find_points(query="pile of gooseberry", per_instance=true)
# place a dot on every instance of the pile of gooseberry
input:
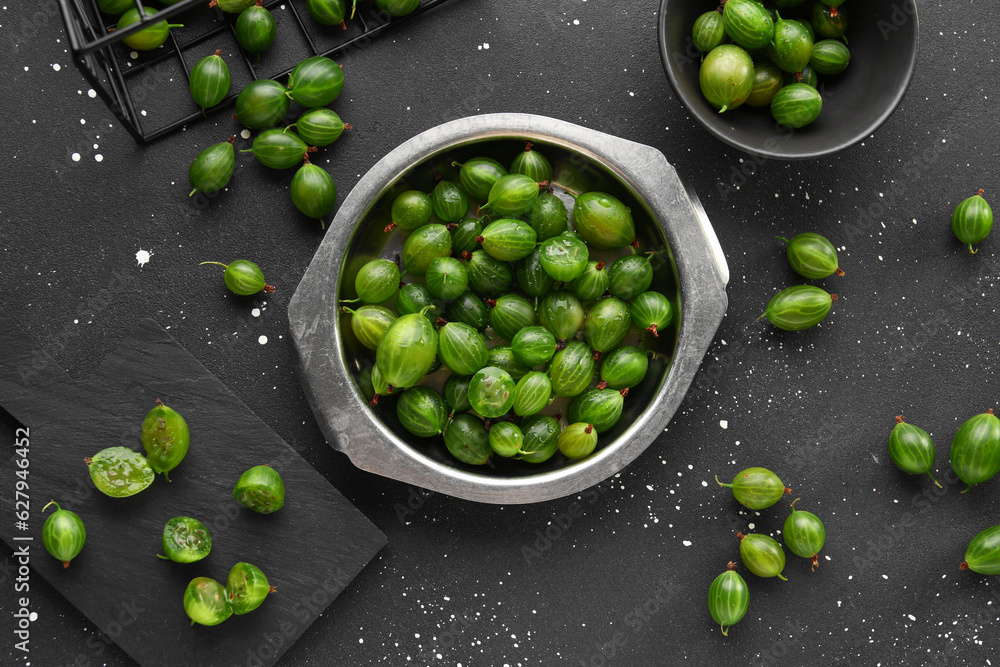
(803, 532)
(517, 306)
(778, 53)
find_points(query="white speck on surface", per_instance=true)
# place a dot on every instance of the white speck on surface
(133, 55)
(262, 340)
(142, 257)
(143, 112)
(911, 617)
(99, 157)
(255, 312)
(576, 21)
(56, 66)
(83, 121)
(33, 616)
(245, 134)
(686, 543)
(751, 526)
(723, 423)
(91, 93)
(75, 157)
(885, 576)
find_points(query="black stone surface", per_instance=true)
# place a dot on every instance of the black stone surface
(914, 333)
(310, 549)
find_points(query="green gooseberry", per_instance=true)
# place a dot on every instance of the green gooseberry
(796, 105)
(756, 488)
(572, 369)
(549, 216)
(213, 168)
(911, 449)
(533, 345)
(728, 598)
(983, 553)
(467, 439)
(512, 195)
(488, 276)
(63, 534)
(165, 437)
(119, 472)
(408, 350)
(708, 31)
(463, 236)
(185, 540)
(461, 348)
(541, 439)
(148, 38)
(508, 240)
(209, 81)
(601, 408)
(510, 314)
(762, 555)
(726, 77)
(812, 256)
(502, 357)
(562, 313)
(972, 220)
(975, 449)
(564, 257)
(423, 246)
(243, 277)
(422, 411)
(578, 441)
(456, 392)
(533, 393)
(449, 202)
(206, 602)
(262, 104)
(469, 309)
(651, 311)
(606, 324)
(247, 587)
(799, 307)
(369, 323)
(313, 191)
(592, 283)
(327, 12)
(767, 81)
(477, 176)
(256, 30)
(316, 82)
(377, 281)
(410, 210)
(491, 392)
(260, 489)
(623, 368)
(278, 149)
(532, 164)
(804, 534)
(748, 23)
(319, 127)
(531, 277)
(447, 278)
(603, 221)
(506, 439)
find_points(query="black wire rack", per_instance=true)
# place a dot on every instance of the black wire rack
(148, 90)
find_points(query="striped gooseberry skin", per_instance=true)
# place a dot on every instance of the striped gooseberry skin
(564, 257)
(407, 351)
(213, 168)
(510, 314)
(377, 281)
(975, 449)
(606, 324)
(447, 278)
(911, 449)
(422, 411)
(533, 393)
(327, 12)
(804, 534)
(651, 311)
(508, 240)
(541, 438)
(532, 164)
(260, 489)
(561, 312)
(983, 553)
(461, 348)
(477, 176)
(762, 555)
(812, 256)
(449, 202)
(502, 357)
(278, 149)
(799, 307)
(468, 308)
(313, 191)
(423, 246)
(262, 104)
(592, 283)
(247, 587)
(630, 276)
(512, 195)
(599, 408)
(256, 29)
(506, 439)
(320, 127)
(209, 81)
(533, 345)
(623, 368)
(578, 440)
(488, 276)
(491, 392)
(369, 323)
(756, 488)
(206, 602)
(316, 82)
(572, 369)
(796, 105)
(829, 22)
(748, 23)
(63, 534)
(467, 439)
(728, 598)
(972, 220)
(708, 31)
(829, 57)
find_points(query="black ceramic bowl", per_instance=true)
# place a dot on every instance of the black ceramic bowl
(883, 44)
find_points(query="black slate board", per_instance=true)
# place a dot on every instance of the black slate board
(310, 550)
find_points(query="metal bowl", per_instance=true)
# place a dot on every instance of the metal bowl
(668, 215)
(883, 44)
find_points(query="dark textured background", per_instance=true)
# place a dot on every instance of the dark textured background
(624, 583)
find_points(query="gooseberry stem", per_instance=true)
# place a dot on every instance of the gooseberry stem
(720, 483)
(779, 576)
(225, 266)
(782, 238)
(934, 480)
(793, 504)
(964, 565)
(52, 502)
